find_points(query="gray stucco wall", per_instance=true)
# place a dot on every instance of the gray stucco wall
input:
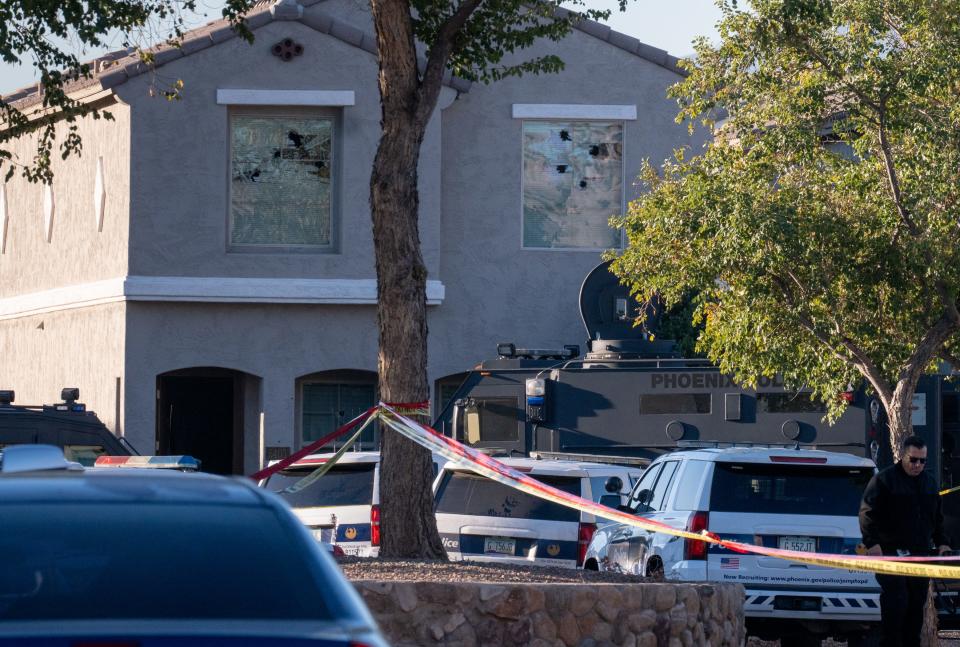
(177, 182)
(497, 291)
(77, 252)
(277, 343)
(180, 182)
(84, 348)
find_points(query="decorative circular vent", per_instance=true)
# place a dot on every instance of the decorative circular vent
(286, 49)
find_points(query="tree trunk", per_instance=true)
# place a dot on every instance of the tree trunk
(407, 523)
(899, 416)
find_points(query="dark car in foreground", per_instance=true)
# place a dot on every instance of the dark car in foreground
(143, 558)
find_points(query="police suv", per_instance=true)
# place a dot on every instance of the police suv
(343, 506)
(794, 499)
(484, 520)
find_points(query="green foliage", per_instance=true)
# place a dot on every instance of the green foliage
(497, 28)
(677, 323)
(819, 227)
(40, 31)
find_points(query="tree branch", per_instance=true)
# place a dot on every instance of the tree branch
(929, 346)
(892, 178)
(439, 55)
(856, 357)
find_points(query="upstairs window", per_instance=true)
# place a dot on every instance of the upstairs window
(572, 184)
(282, 182)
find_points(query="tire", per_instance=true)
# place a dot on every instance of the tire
(655, 569)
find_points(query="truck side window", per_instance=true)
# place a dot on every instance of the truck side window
(495, 419)
(663, 485)
(643, 489)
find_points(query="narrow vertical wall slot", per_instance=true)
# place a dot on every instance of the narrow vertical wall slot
(4, 218)
(49, 209)
(99, 195)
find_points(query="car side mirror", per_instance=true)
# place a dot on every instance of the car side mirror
(645, 497)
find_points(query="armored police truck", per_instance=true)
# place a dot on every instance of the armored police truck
(630, 396)
(66, 424)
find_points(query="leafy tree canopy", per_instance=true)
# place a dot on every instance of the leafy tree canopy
(473, 36)
(819, 229)
(48, 33)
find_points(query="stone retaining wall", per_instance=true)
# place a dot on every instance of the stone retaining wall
(472, 614)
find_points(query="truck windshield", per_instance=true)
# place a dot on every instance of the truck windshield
(788, 489)
(465, 493)
(150, 560)
(348, 484)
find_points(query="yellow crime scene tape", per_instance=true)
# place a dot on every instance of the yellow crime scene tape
(949, 490)
(493, 469)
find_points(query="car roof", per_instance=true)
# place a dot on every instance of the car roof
(555, 467)
(779, 455)
(126, 486)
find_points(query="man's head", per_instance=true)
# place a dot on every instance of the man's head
(913, 455)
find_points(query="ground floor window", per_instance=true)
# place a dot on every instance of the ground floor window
(327, 406)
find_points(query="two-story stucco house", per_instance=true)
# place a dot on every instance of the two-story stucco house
(204, 271)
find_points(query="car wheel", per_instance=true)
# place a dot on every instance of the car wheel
(655, 568)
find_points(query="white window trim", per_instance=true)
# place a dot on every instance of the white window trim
(623, 199)
(324, 98)
(574, 111)
(202, 289)
(278, 112)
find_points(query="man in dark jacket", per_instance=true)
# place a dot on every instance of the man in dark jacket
(901, 514)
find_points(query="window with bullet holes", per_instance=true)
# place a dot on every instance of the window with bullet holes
(282, 181)
(572, 184)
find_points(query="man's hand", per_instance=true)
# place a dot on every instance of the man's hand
(875, 551)
(943, 550)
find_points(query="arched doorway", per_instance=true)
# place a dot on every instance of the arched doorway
(201, 413)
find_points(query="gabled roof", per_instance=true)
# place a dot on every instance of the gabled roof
(115, 68)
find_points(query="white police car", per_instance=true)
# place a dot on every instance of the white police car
(794, 499)
(342, 507)
(483, 520)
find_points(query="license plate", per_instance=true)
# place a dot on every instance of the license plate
(324, 534)
(800, 544)
(499, 545)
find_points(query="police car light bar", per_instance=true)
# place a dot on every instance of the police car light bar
(182, 463)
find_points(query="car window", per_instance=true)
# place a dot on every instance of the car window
(598, 485)
(90, 560)
(347, 484)
(646, 482)
(663, 485)
(688, 485)
(788, 489)
(470, 494)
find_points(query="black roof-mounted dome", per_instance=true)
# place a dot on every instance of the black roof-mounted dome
(609, 311)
